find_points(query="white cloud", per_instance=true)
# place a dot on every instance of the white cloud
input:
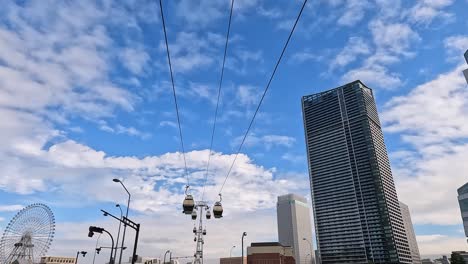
(294, 158)
(432, 118)
(11, 208)
(72, 76)
(374, 75)
(425, 11)
(456, 46)
(247, 95)
(268, 141)
(354, 12)
(355, 47)
(438, 245)
(168, 123)
(134, 60)
(393, 37)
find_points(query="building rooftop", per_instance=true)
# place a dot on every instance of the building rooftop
(331, 90)
(266, 244)
(463, 189)
(291, 197)
(466, 56)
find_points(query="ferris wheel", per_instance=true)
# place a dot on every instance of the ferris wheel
(28, 235)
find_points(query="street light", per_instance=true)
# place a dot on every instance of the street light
(306, 258)
(95, 229)
(126, 215)
(134, 226)
(310, 245)
(230, 254)
(97, 241)
(78, 253)
(165, 256)
(118, 232)
(243, 235)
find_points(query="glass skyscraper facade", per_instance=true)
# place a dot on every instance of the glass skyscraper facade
(356, 209)
(463, 201)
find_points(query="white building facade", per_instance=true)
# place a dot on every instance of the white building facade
(413, 244)
(294, 225)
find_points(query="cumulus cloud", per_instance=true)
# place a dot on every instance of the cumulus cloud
(355, 47)
(432, 118)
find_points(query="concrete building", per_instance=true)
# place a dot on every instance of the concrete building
(233, 260)
(356, 209)
(413, 244)
(294, 225)
(269, 253)
(57, 260)
(463, 202)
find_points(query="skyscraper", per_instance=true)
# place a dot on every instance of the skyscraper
(294, 225)
(356, 210)
(413, 244)
(463, 201)
(465, 72)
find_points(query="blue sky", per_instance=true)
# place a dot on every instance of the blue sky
(85, 97)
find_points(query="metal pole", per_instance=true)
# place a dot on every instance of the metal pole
(76, 259)
(112, 247)
(118, 232)
(126, 215)
(230, 255)
(136, 243)
(97, 241)
(170, 257)
(243, 235)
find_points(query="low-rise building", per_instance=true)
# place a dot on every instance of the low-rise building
(271, 253)
(57, 260)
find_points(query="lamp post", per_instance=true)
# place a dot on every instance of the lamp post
(165, 256)
(243, 235)
(310, 245)
(126, 215)
(78, 253)
(93, 229)
(306, 258)
(97, 241)
(230, 254)
(118, 232)
(133, 225)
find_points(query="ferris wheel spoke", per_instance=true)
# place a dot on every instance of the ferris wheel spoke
(37, 221)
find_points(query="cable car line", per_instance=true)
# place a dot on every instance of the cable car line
(263, 96)
(217, 101)
(175, 96)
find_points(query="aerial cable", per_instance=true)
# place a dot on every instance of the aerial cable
(263, 96)
(175, 96)
(217, 101)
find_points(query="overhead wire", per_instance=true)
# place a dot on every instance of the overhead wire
(219, 95)
(263, 96)
(174, 94)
